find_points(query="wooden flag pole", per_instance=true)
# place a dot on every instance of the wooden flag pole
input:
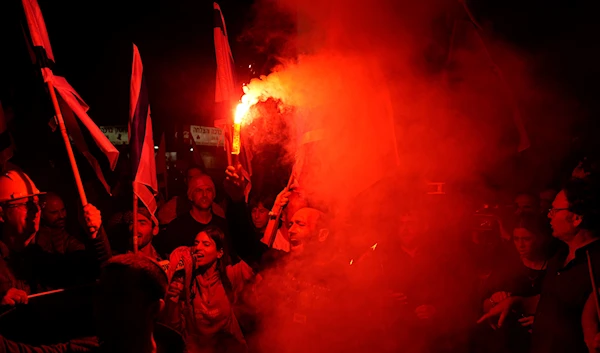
(65, 136)
(135, 221)
(273, 224)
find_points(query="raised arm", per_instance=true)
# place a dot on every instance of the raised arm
(245, 243)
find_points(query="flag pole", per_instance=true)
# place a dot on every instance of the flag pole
(273, 224)
(65, 136)
(228, 147)
(135, 221)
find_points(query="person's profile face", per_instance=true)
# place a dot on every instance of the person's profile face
(22, 215)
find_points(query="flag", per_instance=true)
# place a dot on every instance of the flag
(37, 30)
(45, 58)
(6, 142)
(225, 90)
(145, 185)
(161, 166)
(79, 140)
(226, 93)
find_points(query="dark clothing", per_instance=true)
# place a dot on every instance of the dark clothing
(57, 240)
(557, 327)
(182, 232)
(513, 277)
(244, 241)
(34, 270)
(306, 303)
(429, 276)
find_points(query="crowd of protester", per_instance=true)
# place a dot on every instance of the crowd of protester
(275, 273)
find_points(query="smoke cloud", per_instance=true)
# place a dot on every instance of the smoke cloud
(393, 95)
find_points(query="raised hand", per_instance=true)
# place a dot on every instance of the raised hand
(234, 182)
(92, 219)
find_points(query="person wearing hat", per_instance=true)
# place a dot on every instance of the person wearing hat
(147, 229)
(24, 267)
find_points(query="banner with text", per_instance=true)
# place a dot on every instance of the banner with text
(117, 135)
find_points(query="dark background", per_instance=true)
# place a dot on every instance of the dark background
(92, 40)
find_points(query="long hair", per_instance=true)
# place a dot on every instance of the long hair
(217, 235)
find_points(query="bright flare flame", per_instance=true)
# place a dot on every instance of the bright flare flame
(241, 110)
(374, 246)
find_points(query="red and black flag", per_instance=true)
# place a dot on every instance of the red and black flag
(145, 185)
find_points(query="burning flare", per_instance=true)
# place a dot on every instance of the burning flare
(238, 117)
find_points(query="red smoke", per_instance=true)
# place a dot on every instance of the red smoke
(403, 93)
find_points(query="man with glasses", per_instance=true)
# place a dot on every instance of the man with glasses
(567, 287)
(24, 267)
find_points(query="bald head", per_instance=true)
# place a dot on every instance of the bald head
(54, 214)
(307, 226)
(201, 191)
(295, 203)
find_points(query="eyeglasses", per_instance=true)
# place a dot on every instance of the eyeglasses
(27, 205)
(553, 210)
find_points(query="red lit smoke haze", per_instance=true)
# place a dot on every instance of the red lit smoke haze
(379, 81)
(396, 111)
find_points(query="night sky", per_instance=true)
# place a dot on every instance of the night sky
(91, 41)
(92, 46)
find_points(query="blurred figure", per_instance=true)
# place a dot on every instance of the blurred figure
(52, 236)
(128, 304)
(491, 245)
(179, 205)
(147, 229)
(546, 198)
(526, 203)
(416, 294)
